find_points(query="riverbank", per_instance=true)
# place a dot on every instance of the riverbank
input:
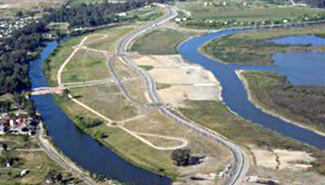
(25, 161)
(55, 154)
(140, 125)
(256, 47)
(284, 115)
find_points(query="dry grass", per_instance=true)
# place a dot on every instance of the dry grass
(85, 66)
(107, 100)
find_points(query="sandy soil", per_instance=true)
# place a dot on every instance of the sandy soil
(282, 159)
(183, 92)
(286, 177)
(187, 81)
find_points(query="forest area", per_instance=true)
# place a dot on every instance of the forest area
(25, 44)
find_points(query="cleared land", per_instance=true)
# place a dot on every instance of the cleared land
(160, 42)
(184, 81)
(255, 47)
(302, 104)
(230, 14)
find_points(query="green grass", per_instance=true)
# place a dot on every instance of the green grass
(125, 145)
(254, 47)
(216, 116)
(85, 66)
(146, 67)
(303, 104)
(107, 100)
(160, 42)
(239, 15)
(135, 151)
(94, 62)
(111, 40)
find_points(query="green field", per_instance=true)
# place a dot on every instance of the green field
(85, 65)
(237, 14)
(254, 47)
(216, 116)
(160, 42)
(304, 104)
(107, 100)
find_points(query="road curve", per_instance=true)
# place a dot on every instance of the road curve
(241, 160)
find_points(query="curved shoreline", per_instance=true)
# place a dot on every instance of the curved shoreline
(255, 102)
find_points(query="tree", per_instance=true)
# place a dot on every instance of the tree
(181, 157)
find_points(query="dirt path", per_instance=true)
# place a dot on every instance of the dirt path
(109, 121)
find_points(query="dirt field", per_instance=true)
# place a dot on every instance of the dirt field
(282, 159)
(183, 82)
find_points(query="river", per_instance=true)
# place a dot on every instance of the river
(98, 159)
(304, 68)
(79, 147)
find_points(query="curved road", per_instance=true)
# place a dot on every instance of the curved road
(240, 158)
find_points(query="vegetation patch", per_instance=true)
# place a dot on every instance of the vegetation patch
(235, 14)
(160, 42)
(256, 47)
(303, 104)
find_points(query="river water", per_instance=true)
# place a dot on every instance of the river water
(301, 68)
(76, 145)
(98, 159)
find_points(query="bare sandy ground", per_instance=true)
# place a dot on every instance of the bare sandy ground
(187, 81)
(282, 159)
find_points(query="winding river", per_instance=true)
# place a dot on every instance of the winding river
(98, 159)
(300, 68)
(79, 147)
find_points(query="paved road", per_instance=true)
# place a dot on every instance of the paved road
(240, 162)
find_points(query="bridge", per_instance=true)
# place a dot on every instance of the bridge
(63, 87)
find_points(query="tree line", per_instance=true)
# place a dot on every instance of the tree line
(22, 46)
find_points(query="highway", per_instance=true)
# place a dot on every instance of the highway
(240, 162)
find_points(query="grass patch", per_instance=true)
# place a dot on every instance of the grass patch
(162, 86)
(107, 100)
(146, 67)
(85, 66)
(255, 47)
(216, 116)
(160, 42)
(95, 62)
(124, 144)
(303, 104)
(109, 43)
(236, 14)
